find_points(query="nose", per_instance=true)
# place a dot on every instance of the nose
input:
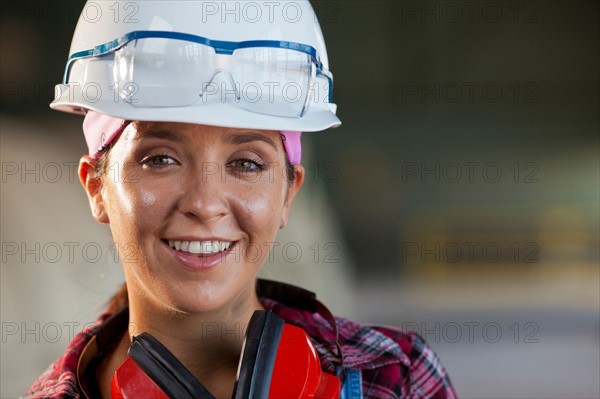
(205, 194)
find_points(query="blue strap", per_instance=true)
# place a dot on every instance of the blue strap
(352, 388)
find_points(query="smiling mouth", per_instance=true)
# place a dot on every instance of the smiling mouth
(200, 248)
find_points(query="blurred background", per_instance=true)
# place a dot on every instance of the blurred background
(460, 197)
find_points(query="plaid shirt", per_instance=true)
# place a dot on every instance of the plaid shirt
(393, 364)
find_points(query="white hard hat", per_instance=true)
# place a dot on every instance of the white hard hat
(106, 28)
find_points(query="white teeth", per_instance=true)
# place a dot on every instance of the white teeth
(195, 247)
(200, 247)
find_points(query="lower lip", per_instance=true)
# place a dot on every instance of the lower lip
(196, 263)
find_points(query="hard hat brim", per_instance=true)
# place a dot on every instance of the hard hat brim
(215, 114)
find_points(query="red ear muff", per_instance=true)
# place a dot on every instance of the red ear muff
(297, 371)
(278, 361)
(150, 360)
(130, 382)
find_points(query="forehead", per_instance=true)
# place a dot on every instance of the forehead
(189, 133)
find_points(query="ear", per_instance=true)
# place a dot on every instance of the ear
(293, 189)
(92, 184)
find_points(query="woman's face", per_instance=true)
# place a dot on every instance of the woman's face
(193, 209)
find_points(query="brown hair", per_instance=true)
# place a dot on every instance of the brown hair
(120, 299)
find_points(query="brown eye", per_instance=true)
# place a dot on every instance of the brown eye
(247, 165)
(159, 160)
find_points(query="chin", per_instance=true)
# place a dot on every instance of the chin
(199, 298)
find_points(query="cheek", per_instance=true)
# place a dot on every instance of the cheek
(136, 202)
(259, 209)
(120, 200)
(148, 198)
(151, 203)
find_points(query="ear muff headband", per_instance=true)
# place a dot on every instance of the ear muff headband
(165, 369)
(258, 356)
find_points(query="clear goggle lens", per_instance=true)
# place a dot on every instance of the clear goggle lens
(160, 72)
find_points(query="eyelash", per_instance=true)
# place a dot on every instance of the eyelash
(149, 160)
(258, 164)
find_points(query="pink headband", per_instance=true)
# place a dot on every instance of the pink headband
(293, 147)
(100, 130)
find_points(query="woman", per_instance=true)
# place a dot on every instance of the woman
(193, 120)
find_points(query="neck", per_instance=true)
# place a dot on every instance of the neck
(207, 343)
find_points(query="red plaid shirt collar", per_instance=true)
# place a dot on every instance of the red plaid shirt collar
(362, 346)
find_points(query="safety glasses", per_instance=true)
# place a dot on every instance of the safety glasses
(172, 69)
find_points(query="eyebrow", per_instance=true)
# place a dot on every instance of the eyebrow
(243, 138)
(160, 134)
(235, 138)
